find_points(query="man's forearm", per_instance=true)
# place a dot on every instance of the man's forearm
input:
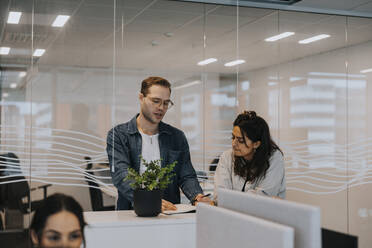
(191, 188)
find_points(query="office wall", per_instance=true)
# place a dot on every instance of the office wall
(318, 109)
(323, 129)
(314, 96)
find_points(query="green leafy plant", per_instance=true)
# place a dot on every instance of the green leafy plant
(155, 176)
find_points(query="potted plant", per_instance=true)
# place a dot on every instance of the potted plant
(148, 186)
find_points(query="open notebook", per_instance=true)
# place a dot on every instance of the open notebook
(181, 209)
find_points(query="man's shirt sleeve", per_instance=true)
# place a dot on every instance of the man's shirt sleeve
(187, 176)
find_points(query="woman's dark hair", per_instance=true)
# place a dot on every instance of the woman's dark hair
(256, 129)
(52, 205)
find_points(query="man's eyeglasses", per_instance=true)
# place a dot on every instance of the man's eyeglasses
(158, 102)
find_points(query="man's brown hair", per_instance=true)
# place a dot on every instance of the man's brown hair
(150, 81)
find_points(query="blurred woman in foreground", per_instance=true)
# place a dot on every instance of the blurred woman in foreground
(59, 222)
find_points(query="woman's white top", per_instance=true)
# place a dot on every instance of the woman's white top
(273, 184)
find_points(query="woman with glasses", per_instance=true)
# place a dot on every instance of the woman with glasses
(255, 162)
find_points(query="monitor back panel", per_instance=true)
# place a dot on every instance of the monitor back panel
(305, 219)
(222, 228)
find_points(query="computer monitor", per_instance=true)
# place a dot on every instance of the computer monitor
(305, 219)
(223, 228)
(332, 239)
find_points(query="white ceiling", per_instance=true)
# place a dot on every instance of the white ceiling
(87, 40)
(358, 5)
(352, 7)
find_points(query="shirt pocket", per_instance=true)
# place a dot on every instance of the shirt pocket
(173, 155)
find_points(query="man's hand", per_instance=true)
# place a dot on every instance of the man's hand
(202, 198)
(166, 205)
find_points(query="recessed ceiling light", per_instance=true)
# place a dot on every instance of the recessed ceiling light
(22, 74)
(60, 20)
(39, 52)
(4, 50)
(235, 62)
(5, 94)
(279, 36)
(187, 85)
(168, 34)
(13, 85)
(366, 70)
(314, 38)
(207, 61)
(14, 17)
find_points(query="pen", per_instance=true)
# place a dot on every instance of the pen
(209, 194)
(194, 200)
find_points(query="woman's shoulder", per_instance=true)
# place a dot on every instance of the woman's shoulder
(276, 156)
(226, 157)
(227, 154)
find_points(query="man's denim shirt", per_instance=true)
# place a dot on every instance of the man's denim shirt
(124, 146)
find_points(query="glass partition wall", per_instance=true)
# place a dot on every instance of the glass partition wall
(58, 103)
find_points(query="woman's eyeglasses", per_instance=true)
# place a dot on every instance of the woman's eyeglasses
(239, 139)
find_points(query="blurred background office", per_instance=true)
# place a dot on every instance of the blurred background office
(71, 70)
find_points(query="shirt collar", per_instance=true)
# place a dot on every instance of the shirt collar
(132, 127)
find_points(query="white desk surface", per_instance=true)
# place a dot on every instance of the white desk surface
(127, 218)
(117, 229)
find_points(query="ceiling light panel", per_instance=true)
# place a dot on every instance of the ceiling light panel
(4, 50)
(60, 20)
(22, 74)
(285, 2)
(14, 17)
(235, 62)
(38, 52)
(279, 36)
(314, 38)
(207, 61)
(366, 70)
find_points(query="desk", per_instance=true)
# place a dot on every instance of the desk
(124, 229)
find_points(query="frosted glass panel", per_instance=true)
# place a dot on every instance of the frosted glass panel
(57, 107)
(359, 134)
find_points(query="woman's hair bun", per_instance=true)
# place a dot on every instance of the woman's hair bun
(250, 114)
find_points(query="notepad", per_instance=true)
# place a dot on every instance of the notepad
(181, 209)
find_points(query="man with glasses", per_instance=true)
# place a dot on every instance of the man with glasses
(148, 136)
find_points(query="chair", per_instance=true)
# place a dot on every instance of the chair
(15, 238)
(201, 175)
(15, 192)
(95, 193)
(214, 163)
